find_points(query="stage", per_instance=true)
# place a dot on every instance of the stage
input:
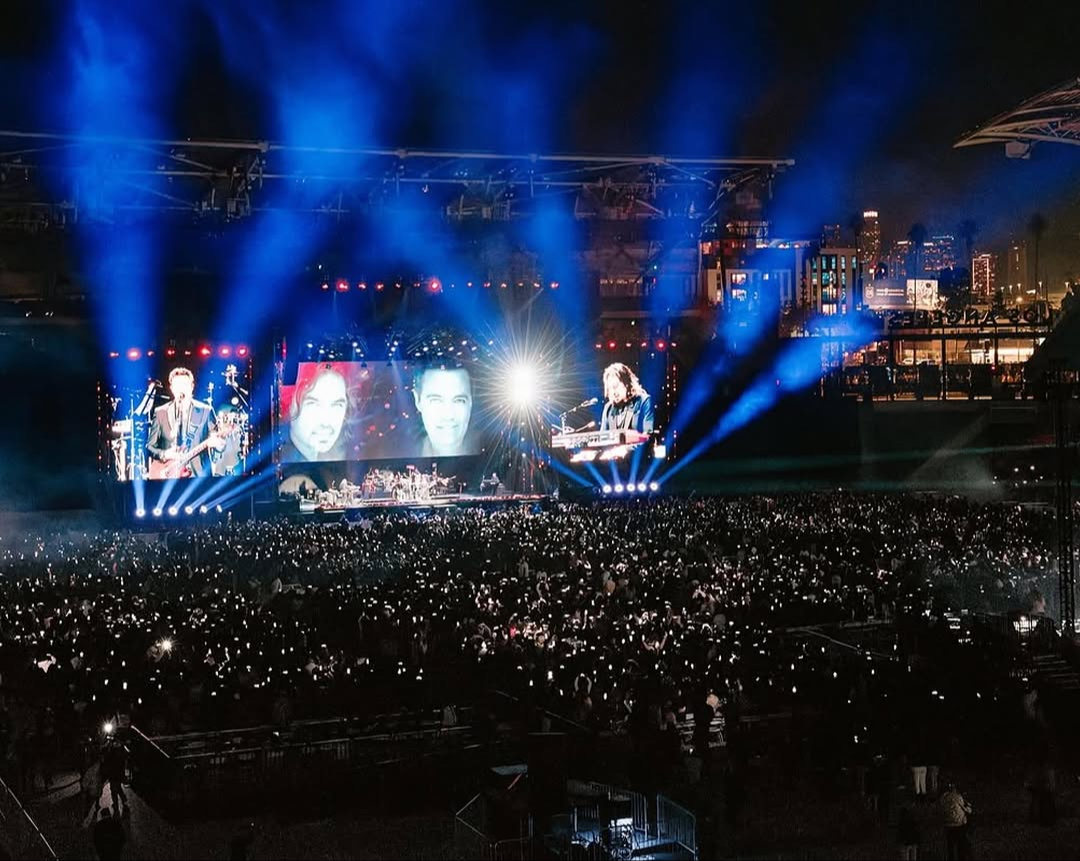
(435, 503)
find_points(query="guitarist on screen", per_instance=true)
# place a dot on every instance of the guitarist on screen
(180, 436)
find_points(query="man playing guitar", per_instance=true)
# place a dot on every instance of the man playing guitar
(180, 435)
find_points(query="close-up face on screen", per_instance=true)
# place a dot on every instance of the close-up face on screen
(338, 411)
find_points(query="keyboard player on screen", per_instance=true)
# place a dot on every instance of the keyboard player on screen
(627, 405)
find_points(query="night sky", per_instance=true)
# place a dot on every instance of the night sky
(867, 99)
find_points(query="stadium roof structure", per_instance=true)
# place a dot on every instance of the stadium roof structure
(68, 177)
(1053, 116)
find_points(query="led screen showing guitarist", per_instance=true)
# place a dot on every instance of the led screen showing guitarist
(181, 434)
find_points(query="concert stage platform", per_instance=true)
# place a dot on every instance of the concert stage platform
(435, 503)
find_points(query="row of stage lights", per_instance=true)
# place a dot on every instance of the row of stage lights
(630, 487)
(433, 285)
(645, 345)
(174, 511)
(224, 351)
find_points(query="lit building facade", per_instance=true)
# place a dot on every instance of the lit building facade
(870, 243)
(829, 281)
(984, 271)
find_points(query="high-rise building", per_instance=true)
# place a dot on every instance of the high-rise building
(870, 243)
(984, 269)
(830, 236)
(1017, 277)
(830, 281)
(898, 262)
(939, 252)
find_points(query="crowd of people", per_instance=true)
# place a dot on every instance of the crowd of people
(604, 613)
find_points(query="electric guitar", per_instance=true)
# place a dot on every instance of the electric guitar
(179, 467)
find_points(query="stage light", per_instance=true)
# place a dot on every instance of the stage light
(659, 451)
(170, 352)
(611, 345)
(203, 509)
(659, 345)
(134, 353)
(607, 488)
(114, 355)
(362, 286)
(140, 512)
(554, 285)
(630, 488)
(157, 512)
(642, 487)
(224, 351)
(205, 351)
(618, 488)
(218, 509)
(654, 486)
(189, 509)
(242, 352)
(380, 286)
(342, 286)
(166, 645)
(108, 727)
(523, 385)
(173, 511)
(325, 286)
(434, 285)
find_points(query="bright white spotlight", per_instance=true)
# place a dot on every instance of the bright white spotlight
(607, 488)
(189, 509)
(157, 512)
(203, 509)
(166, 645)
(654, 486)
(642, 487)
(523, 385)
(108, 727)
(219, 509)
(618, 488)
(173, 511)
(140, 512)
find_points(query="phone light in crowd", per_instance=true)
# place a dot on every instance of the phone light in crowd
(654, 486)
(108, 727)
(205, 351)
(173, 511)
(140, 512)
(157, 512)
(134, 353)
(607, 488)
(618, 488)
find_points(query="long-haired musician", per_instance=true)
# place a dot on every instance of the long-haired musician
(627, 404)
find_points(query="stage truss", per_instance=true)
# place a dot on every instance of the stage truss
(1052, 116)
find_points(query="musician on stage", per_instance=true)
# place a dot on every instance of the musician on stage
(627, 404)
(182, 425)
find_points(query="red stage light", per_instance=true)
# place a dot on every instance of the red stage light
(599, 346)
(379, 285)
(241, 351)
(170, 352)
(644, 344)
(342, 286)
(611, 345)
(434, 285)
(487, 284)
(134, 353)
(554, 285)
(205, 351)
(659, 345)
(224, 351)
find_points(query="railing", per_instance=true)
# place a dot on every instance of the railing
(19, 834)
(260, 759)
(470, 841)
(676, 825)
(639, 809)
